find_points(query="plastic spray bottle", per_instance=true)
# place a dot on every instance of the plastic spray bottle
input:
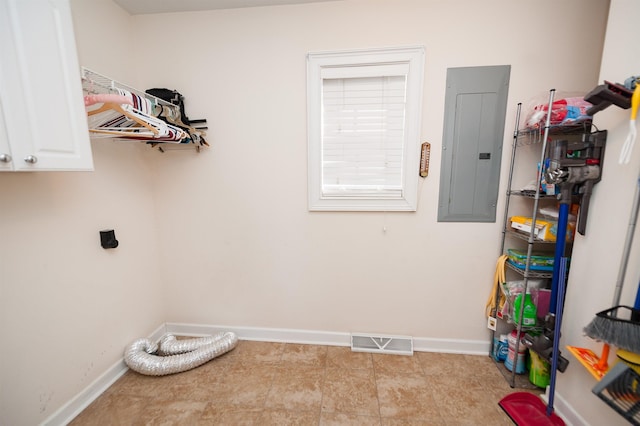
(529, 316)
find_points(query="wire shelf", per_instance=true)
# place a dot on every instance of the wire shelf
(170, 113)
(535, 136)
(531, 274)
(524, 236)
(531, 194)
(93, 82)
(517, 381)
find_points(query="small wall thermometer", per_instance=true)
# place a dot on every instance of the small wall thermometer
(424, 159)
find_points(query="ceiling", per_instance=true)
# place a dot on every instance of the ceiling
(141, 7)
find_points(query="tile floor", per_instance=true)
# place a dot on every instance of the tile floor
(262, 383)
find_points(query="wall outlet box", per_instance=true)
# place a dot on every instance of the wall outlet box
(492, 323)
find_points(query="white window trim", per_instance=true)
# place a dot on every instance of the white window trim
(321, 64)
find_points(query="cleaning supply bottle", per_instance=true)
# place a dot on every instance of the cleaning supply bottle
(516, 360)
(529, 316)
(500, 348)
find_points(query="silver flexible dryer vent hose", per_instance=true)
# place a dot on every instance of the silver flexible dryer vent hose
(139, 356)
(169, 345)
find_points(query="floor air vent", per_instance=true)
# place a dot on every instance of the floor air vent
(379, 343)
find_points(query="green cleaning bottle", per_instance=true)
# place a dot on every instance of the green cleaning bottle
(529, 316)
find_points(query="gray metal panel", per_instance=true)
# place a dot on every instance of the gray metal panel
(475, 106)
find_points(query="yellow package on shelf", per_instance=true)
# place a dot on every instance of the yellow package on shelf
(545, 229)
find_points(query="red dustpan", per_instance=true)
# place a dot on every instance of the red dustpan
(527, 409)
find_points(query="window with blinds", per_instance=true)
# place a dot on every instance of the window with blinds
(362, 136)
(364, 110)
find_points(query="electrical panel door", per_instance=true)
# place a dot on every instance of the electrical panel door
(475, 106)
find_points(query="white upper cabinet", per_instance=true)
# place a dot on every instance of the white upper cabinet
(42, 117)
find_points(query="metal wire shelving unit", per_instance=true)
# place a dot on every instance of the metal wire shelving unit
(524, 137)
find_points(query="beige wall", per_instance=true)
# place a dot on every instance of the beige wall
(224, 237)
(240, 247)
(597, 256)
(68, 307)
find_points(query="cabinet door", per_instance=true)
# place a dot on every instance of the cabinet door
(41, 88)
(5, 151)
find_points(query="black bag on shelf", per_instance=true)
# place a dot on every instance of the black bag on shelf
(174, 97)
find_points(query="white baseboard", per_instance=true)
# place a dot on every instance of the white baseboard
(563, 409)
(451, 346)
(265, 334)
(330, 338)
(71, 409)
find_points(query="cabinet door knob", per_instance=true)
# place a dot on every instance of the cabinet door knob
(31, 159)
(5, 158)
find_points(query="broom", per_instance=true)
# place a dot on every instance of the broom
(615, 327)
(619, 326)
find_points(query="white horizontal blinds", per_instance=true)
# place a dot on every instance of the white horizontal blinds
(363, 132)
